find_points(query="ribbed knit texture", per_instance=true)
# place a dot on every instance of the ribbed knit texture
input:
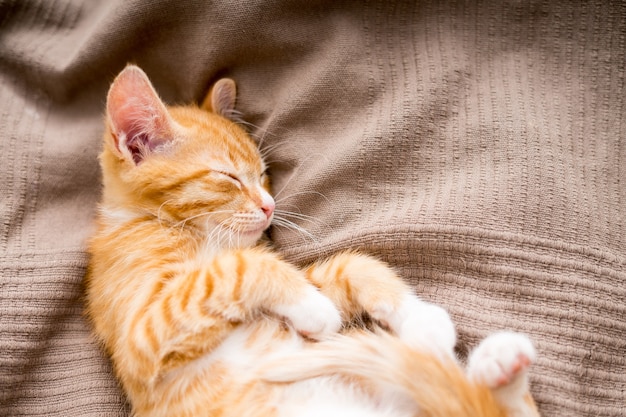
(479, 148)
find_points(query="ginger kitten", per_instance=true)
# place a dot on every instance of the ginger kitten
(199, 320)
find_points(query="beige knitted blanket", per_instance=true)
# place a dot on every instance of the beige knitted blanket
(479, 147)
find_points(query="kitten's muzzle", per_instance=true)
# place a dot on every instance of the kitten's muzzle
(268, 208)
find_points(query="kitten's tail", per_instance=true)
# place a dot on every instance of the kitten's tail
(437, 384)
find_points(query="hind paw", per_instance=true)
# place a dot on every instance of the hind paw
(500, 359)
(421, 325)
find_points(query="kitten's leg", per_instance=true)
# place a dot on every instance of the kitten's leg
(189, 314)
(358, 283)
(501, 363)
(245, 282)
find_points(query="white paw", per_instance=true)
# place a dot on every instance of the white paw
(314, 315)
(421, 325)
(500, 358)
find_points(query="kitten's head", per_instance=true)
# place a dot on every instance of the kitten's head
(185, 166)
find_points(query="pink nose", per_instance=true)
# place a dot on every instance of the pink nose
(268, 208)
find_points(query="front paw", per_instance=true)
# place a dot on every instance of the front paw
(313, 315)
(500, 359)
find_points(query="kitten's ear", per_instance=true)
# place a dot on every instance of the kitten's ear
(139, 121)
(221, 98)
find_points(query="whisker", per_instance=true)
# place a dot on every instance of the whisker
(264, 131)
(159, 211)
(183, 222)
(300, 193)
(217, 233)
(298, 216)
(282, 222)
(267, 150)
(260, 137)
(291, 178)
(290, 205)
(295, 172)
(230, 243)
(249, 124)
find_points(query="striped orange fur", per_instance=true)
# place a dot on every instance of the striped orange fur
(201, 320)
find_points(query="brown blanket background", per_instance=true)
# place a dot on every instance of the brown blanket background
(479, 147)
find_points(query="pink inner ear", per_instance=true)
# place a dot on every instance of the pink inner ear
(139, 146)
(138, 117)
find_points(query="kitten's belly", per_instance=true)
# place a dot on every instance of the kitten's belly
(333, 397)
(250, 349)
(243, 356)
(244, 351)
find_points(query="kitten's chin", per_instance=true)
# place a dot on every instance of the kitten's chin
(239, 238)
(250, 237)
(234, 236)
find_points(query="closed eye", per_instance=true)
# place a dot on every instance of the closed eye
(230, 177)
